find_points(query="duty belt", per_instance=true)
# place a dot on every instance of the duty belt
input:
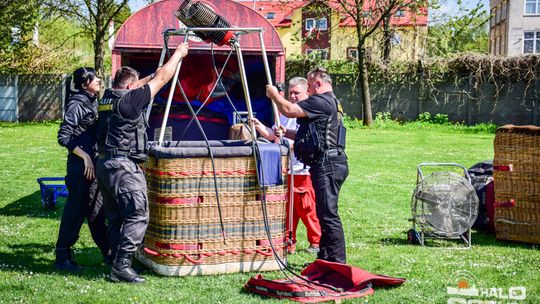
(114, 154)
(332, 152)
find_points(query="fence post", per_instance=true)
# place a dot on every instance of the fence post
(469, 98)
(535, 101)
(64, 91)
(16, 86)
(421, 90)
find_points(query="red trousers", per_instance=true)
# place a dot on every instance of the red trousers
(304, 209)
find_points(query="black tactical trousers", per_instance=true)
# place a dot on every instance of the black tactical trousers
(124, 190)
(327, 175)
(83, 202)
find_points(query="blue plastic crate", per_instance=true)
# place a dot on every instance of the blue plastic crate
(51, 188)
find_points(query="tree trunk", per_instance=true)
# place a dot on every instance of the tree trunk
(98, 58)
(387, 40)
(363, 78)
(99, 39)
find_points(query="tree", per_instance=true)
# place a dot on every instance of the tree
(94, 18)
(18, 17)
(369, 16)
(454, 34)
(18, 21)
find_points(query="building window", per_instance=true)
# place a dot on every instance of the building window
(532, 7)
(396, 39)
(310, 23)
(503, 10)
(322, 24)
(492, 16)
(531, 42)
(400, 13)
(270, 15)
(503, 45)
(352, 53)
(317, 53)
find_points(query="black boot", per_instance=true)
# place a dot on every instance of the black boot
(122, 271)
(108, 259)
(64, 261)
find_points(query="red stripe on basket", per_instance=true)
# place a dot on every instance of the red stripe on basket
(193, 260)
(184, 173)
(178, 246)
(509, 204)
(179, 200)
(504, 168)
(150, 251)
(265, 242)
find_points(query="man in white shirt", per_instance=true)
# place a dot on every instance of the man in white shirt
(304, 195)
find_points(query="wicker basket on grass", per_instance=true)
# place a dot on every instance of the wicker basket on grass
(189, 233)
(517, 183)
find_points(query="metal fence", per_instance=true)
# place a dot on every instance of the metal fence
(31, 97)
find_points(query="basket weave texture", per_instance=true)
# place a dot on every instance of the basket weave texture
(185, 227)
(517, 183)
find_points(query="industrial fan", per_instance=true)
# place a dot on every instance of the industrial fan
(444, 205)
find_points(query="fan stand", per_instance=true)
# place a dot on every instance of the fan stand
(419, 237)
(466, 237)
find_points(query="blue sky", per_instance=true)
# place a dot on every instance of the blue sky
(447, 6)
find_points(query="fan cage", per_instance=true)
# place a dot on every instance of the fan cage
(444, 204)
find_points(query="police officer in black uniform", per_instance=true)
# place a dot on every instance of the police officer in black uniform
(320, 143)
(77, 134)
(105, 104)
(120, 177)
(126, 77)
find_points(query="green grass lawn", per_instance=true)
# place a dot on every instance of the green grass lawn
(374, 207)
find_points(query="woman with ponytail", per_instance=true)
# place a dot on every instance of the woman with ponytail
(78, 134)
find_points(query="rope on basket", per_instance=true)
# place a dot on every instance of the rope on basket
(189, 258)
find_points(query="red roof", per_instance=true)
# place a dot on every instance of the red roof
(143, 30)
(283, 11)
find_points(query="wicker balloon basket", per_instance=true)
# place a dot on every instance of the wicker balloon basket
(189, 233)
(517, 183)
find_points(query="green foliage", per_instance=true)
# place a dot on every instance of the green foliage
(301, 65)
(61, 50)
(466, 32)
(384, 120)
(93, 17)
(18, 19)
(424, 117)
(438, 119)
(352, 122)
(19, 14)
(440, 122)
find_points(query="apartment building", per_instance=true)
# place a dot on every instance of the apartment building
(514, 27)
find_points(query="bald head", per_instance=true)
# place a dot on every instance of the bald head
(319, 81)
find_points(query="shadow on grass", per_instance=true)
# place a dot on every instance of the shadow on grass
(395, 240)
(479, 238)
(30, 205)
(31, 257)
